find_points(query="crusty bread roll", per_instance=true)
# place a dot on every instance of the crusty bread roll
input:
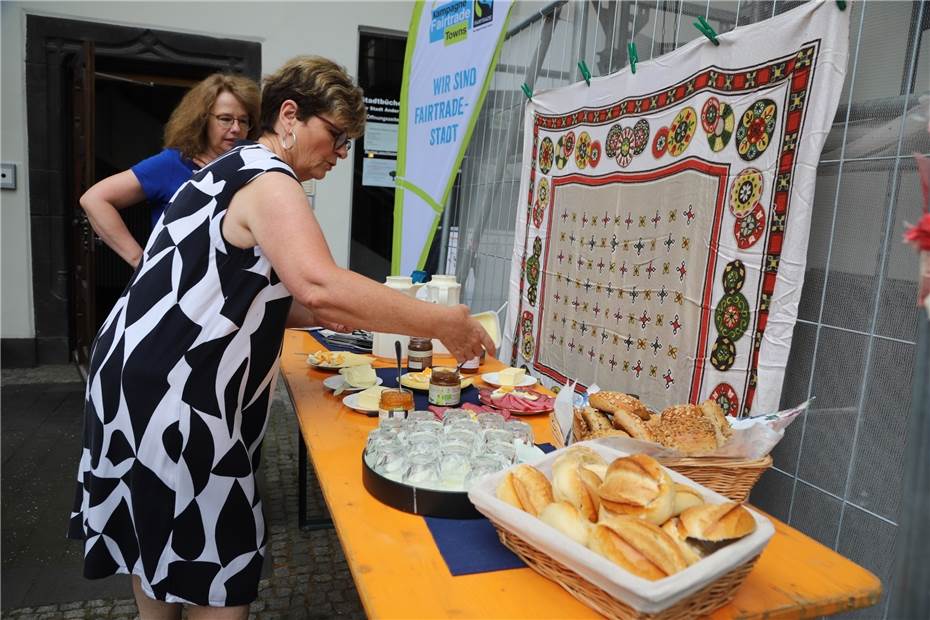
(611, 402)
(506, 492)
(638, 547)
(673, 528)
(717, 522)
(565, 518)
(685, 497)
(578, 455)
(594, 420)
(532, 488)
(637, 486)
(568, 486)
(685, 429)
(632, 424)
(714, 414)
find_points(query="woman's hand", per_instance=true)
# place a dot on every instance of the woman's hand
(464, 336)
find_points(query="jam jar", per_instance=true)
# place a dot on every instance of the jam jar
(445, 387)
(419, 354)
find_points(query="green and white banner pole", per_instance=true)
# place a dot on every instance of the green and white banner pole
(452, 49)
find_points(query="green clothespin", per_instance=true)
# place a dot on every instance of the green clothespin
(841, 4)
(633, 56)
(585, 73)
(527, 91)
(702, 25)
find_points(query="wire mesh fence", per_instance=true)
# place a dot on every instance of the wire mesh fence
(837, 471)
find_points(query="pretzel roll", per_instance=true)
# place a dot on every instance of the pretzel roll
(612, 402)
(638, 547)
(673, 528)
(532, 488)
(566, 518)
(685, 497)
(717, 522)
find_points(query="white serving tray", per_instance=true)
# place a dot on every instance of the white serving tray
(641, 594)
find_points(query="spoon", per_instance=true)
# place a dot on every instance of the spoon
(397, 353)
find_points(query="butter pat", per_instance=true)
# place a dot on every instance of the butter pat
(370, 398)
(511, 376)
(359, 376)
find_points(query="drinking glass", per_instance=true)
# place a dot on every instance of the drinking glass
(499, 448)
(480, 467)
(430, 426)
(417, 416)
(376, 440)
(490, 420)
(467, 425)
(451, 415)
(522, 431)
(462, 436)
(422, 442)
(422, 470)
(499, 435)
(392, 460)
(454, 466)
(392, 424)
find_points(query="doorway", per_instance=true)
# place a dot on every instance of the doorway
(118, 86)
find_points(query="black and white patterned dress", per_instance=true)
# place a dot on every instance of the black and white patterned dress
(181, 377)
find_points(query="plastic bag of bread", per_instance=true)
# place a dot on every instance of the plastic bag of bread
(646, 565)
(626, 423)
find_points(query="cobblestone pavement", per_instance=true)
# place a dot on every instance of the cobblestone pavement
(308, 576)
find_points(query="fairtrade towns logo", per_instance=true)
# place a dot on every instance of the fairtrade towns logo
(451, 21)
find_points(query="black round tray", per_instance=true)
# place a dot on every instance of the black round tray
(426, 502)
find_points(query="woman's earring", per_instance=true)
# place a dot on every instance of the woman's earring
(284, 140)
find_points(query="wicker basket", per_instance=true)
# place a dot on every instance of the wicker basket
(731, 477)
(699, 604)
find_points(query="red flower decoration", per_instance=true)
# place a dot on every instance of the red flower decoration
(918, 235)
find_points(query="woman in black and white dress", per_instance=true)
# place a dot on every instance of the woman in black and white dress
(182, 370)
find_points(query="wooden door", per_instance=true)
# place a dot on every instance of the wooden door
(83, 240)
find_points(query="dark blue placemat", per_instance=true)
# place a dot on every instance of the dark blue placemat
(471, 546)
(421, 398)
(335, 346)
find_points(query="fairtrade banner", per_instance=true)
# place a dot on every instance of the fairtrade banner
(452, 48)
(662, 245)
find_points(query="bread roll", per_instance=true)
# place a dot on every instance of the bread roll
(532, 488)
(717, 522)
(685, 497)
(505, 492)
(579, 455)
(673, 528)
(638, 547)
(565, 518)
(637, 486)
(567, 486)
(714, 414)
(594, 420)
(632, 424)
(611, 402)
(685, 429)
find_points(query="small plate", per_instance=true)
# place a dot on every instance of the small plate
(336, 360)
(423, 386)
(493, 378)
(336, 381)
(351, 401)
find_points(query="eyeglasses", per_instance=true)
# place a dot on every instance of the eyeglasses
(340, 139)
(226, 121)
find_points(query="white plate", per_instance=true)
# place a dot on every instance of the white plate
(493, 378)
(336, 381)
(351, 401)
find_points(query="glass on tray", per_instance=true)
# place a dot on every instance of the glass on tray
(482, 466)
(522, 431)
(500, 435)
(451, 415)
(466, 424)
(432, 426)
(490, 420)
(454, 465)
(392, 461)
(422, 470)
(498, 448)
(417, 416)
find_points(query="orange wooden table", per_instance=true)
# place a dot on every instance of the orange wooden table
(399, 572)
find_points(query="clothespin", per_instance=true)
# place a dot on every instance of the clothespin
(633, 56)
(841, 4)
(585, 73)
(527, 91)
(702, 25)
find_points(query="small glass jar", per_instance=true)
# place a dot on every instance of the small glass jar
(395, 403)
(445, 387)
(471, 366)
(419, 354)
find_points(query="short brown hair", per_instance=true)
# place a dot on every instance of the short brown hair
(187, 128)
(316, 85)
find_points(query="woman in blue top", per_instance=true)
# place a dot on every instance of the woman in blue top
(211, 117)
